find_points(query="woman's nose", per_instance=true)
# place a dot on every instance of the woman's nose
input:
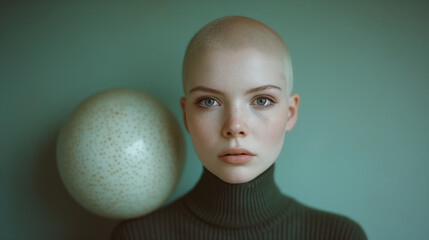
(235, 125)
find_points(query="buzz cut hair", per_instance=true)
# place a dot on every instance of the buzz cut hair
(235, 33)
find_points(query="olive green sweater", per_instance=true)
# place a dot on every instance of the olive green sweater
(214, 209)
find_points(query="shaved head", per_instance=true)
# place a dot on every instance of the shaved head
(235, 33)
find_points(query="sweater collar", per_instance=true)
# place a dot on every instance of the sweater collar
(236, 205)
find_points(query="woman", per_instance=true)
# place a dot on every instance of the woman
(238, 105)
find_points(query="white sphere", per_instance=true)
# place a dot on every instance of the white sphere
(120, 153)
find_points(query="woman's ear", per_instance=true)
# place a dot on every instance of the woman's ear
(183, 106)
(292, 111)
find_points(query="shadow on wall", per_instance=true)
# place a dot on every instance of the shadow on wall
(68, 219)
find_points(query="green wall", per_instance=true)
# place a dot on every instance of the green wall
(360, 147)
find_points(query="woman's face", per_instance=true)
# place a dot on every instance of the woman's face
(236, 112)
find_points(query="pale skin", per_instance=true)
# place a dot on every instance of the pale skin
(236, 96)
(237, 99)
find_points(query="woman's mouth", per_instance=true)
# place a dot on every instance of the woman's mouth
(236, 156)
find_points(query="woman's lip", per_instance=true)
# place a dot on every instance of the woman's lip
(236, 159)
(236, 156)
(236, 151)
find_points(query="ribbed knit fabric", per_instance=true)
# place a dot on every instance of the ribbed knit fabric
(214, 209)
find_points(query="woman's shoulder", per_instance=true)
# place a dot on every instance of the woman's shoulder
(328, 224)
(160, 222)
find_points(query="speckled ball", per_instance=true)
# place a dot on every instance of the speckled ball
(120, 153)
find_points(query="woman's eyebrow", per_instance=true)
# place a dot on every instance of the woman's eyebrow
(257, 89)
(261, 88)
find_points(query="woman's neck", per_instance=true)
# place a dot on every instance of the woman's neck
(236, 205)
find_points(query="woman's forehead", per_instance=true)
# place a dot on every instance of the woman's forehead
(242, 70)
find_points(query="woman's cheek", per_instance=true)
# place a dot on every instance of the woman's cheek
(201, 128)
(273, 128)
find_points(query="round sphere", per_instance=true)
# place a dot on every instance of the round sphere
(120, 153)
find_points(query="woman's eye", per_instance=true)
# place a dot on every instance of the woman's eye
(207, 102)
(262, 101)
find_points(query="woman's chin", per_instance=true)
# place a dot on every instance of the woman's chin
(237, 174)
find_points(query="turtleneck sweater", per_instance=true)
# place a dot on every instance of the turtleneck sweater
(257, 209)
